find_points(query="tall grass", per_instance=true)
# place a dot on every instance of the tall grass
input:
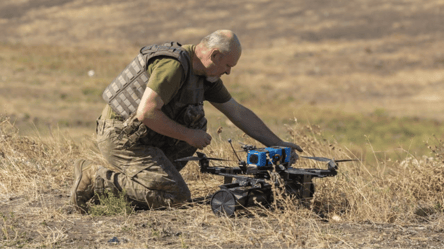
(32, 165)
(398, 192)
(385, 191)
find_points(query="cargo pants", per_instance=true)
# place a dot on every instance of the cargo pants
(148, 174)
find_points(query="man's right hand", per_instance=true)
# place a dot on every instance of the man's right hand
(150, 111)
(198, 138)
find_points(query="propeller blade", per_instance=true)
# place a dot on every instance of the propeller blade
(331, 162)
(199, 157)
(202, 155)
(217, 159)
(190, 158)
(322, 159)
(346, 160)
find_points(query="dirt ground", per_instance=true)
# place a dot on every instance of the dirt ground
(361, 55)
(180, 228)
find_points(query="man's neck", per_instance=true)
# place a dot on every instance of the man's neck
(198, 67)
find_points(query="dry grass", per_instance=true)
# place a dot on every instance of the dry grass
(36, 174)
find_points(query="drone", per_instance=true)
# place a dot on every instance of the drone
(252, 180)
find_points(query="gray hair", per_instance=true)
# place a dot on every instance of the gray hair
(219, 39)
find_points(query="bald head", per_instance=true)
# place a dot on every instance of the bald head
(223, 40)
(216, 54)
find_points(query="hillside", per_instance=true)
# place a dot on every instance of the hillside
(355, 56)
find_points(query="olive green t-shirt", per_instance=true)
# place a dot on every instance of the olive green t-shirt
(165, 79)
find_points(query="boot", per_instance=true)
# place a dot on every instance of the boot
(83, 188)
(106, 182)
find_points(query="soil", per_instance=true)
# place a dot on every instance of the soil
(65, 228)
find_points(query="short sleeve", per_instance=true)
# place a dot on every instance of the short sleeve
(165, 77)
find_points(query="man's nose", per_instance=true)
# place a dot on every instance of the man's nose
(228, 71)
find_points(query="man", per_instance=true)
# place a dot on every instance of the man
(155, 115)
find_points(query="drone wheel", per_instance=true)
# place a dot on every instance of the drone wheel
(223, 202)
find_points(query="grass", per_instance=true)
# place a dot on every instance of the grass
(110, 205)
(390, 137)
(35, 169)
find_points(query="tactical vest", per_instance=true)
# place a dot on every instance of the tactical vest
(125, 92)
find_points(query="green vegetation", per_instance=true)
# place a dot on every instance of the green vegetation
(111, 204)
(389, 137)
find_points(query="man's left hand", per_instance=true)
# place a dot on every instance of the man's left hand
(291, 145)
(294, 156)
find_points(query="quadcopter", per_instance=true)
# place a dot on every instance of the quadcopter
(253, 179)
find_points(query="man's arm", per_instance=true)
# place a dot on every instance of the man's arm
(251, 124)
(150, 113)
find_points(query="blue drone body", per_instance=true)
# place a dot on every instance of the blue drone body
(264, 157)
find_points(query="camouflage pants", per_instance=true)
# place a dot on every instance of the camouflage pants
(147, 174)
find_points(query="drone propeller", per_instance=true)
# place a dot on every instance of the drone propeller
(331, 162)
(217, 159)
(186, 159)
(241, 143)
(346, 160)
(199, 156)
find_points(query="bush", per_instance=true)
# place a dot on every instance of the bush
(111, 204)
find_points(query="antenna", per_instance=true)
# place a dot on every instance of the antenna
(229, 140)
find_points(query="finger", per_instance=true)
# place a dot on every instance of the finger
(298, 148)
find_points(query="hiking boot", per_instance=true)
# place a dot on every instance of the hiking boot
(83, 188)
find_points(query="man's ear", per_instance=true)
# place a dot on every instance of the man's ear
(216, 55)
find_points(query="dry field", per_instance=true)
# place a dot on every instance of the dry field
(395, 204)
(343, 79)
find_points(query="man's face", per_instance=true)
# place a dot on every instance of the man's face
(220, 64)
